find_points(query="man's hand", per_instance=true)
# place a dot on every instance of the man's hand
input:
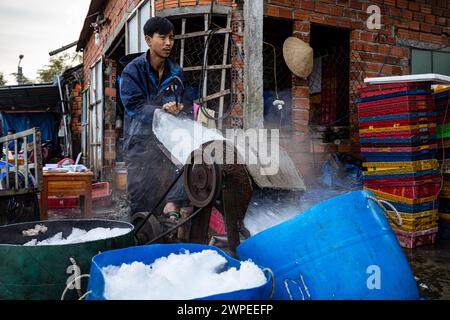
(171, 107)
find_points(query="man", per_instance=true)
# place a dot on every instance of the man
(149, 82)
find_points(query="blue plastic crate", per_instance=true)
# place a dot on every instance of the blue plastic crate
(402, 175)
(394, 95)
(424, 139)
(398, 117)
(441, 96)
(415, 208)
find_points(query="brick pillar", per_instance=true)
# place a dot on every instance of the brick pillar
(299, 143)
(237, 61)
(75, 122)
(109, 135)
(76, 102)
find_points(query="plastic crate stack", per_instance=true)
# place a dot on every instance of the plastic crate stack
(397, 125)
(442, 101)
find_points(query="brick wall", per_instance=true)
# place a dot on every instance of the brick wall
(114, 11)
(423, 23)
(76, 104)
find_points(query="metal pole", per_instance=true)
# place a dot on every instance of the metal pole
(66, 132)
(16, 164)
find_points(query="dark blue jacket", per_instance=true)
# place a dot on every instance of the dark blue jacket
(141, 95)
(150, 171)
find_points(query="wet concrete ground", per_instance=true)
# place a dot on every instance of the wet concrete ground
(430, 264)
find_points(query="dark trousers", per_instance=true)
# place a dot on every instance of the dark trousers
(150, 174)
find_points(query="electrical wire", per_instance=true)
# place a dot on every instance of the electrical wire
(274, 67)
(275, 76)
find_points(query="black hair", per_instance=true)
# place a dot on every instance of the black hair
(12, 131)
(160, 25)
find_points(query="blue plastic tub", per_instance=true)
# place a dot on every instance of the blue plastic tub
(343, 248)
(148, 254)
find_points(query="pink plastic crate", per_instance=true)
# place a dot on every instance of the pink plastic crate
(101, 194)
(412, 240)
(63, 202)
(216, 222)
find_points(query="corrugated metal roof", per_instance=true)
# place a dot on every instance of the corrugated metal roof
(30, 97)
(94, 7)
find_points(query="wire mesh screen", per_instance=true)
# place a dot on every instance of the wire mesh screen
(211, 73)
(334, 85)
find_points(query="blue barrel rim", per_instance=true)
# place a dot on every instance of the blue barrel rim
(256, 248)
(268, 273)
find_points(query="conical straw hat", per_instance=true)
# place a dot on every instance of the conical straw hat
(299, 57)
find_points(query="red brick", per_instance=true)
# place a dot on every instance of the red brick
(429, 18)
(418, 16)
(336, 11)
(402, 4)
(414, 25)
(398, 51)
(414, 6)
(300, 104)
(329, 20)
(299, 92)
(299, 15)
(425, 8)
(367, 36)
(307, 5)
(425, 27)
(436, 30)
(322, 8)
(441, 21)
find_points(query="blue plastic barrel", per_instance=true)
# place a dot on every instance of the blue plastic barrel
(343, 248)
(148, 254)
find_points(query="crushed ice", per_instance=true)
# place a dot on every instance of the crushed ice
(180, 277)
(80, 236)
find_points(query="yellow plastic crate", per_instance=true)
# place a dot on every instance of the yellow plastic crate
(445, 143)
(444, 216)
(444, 194)
(416, 222)
(390, 197)
(398, 128)
(402, 167)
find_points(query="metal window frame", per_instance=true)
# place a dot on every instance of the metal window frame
(136, 12)
(98, 102)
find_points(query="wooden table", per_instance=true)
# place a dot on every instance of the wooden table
(67, 184)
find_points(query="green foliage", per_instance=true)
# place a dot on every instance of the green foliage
(24, 79)
(2, 80)
(57, 65)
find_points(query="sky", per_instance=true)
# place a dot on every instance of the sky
(34, 28)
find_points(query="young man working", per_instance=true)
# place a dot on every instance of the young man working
(149, 82)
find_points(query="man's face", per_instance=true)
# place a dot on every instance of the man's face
(161, 45)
